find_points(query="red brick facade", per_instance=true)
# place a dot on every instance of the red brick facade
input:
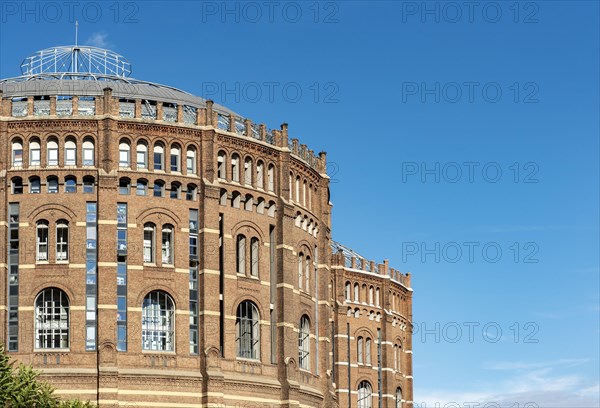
(262, 235)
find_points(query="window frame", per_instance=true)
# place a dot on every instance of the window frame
(45, 318)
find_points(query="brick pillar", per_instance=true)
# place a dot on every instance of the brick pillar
(52, 105)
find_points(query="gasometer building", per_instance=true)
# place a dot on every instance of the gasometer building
(160, 250)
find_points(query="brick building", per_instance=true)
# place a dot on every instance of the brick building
(162, 251)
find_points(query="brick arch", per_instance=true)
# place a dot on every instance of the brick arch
(35, 214)
(152, 287)
(364, 329)
(237, 229)
(367, 379)
(246, 296)
(304, 246)
(306, 312)
(53, 284)
(149, 215)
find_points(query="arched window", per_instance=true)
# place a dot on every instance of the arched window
(190, 193)
(34, 185)
(51, 319)
(248, 171)
(271, 178)
(124, 151)
(310, 197)
(254, 250)
(272, 208)
(359, 350)
(124, 185)
(70, 153)
(223, 197)
(190, 160)
(241, 254)
(249, 203)
(148, 244)
(304, 193)
(348, 291)
(365, 395)
(395, 357)
(300, 270)
(247, 331)
(88, 184)
(141, 187)
(260, 175)
(159, 188)
(159, 157)
(368, 350)
(52, 152)
(175, 158)
(398, 397)
(52, 184)
(175, 191)
(158, 322)
(356, 293)
(298, 189)
(167, 244)
(17, 153)
(70, 184)
(88, 152)
(236, 199)
(307, 274)
(235, 168)
(304, 343)
(17, 185)
(291, 188)
(35, 155)
(221, 160)
(260, 206)
(141, 156)
(377, 297)
(371, 295)
(62, 240)
(42, 241)
(398, 358)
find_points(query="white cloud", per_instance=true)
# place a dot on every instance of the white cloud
(520, 365)
(531, 385)
(98, 40)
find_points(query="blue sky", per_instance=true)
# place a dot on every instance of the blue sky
(463, 147)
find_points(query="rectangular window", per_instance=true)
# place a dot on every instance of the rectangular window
(141, 160)
(53, 157)
(190, 165)
(62, 243)
(17, 157)
(88, 186)
(167, 247)
(70, 157)
(158, 161)
(124, 158)
(88, 157)
(193, 247)
(35, 157)
(148, 249)
(42, 243)
(174, 162)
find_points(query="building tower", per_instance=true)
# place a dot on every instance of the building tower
(163, 251)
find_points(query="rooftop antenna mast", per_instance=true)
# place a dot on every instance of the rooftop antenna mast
(76, 49)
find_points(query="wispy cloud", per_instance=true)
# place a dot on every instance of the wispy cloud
(529, 382)
(520, 365)
(99, 39)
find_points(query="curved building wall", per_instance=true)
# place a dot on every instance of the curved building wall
(164, 254)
